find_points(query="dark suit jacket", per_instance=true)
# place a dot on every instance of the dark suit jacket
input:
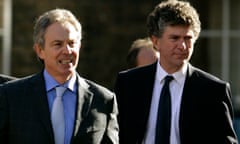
(206, 110)
(5, 78)
(25, 115)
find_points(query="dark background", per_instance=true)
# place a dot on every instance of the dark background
(109, 28)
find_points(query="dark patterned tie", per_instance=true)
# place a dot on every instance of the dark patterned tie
(164, 114)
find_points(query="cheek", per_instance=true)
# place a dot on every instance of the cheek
(191, 43)
(50, 55)
(167, 46)
(76, 52)
(191, 47)
(191, 50)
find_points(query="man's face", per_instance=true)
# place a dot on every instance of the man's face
(175, 46)
(61, 50)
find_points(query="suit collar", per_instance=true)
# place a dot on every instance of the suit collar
(190, 70)
(83, 102)
(143, 82)
(38, 89)
(187, 98)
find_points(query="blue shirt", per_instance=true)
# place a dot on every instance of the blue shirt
(69, 101)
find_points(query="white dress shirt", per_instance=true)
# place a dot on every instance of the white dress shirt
(176, 88)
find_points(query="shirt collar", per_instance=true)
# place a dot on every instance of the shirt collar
(179, 76)
(52, 83)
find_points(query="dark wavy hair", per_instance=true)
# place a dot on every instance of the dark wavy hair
(171, 13)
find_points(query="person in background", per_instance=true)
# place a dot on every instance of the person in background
(141, 53)
(5, 78)
(30, 111)
(200, 107)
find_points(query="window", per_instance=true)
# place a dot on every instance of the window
(5, 34)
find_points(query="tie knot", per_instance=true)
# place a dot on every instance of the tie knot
(60, 90)
(168, 78)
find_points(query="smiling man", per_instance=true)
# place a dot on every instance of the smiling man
(32, 112)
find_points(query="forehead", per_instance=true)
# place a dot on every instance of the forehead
(61, 31)
(179, 30)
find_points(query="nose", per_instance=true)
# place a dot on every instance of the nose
(67, 49)
(182, 45)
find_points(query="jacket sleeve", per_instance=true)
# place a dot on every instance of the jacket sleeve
(112, 129)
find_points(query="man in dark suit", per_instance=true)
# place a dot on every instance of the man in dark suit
(88, 111)
(201, 109)
(5, 78)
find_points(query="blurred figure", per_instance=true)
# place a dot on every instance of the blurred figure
(57, 105)
(6, 78)
(141, 53)
(172, 101)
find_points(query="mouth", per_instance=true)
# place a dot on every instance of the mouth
(68, 61)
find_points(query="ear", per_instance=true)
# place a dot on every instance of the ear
(155, 42)
(39, 51)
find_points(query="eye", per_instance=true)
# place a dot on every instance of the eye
(188, 38)
(72, 43)
(174, 38)
(57, 44)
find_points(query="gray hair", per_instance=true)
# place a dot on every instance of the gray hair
(56, 15)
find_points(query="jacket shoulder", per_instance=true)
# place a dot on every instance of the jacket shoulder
(205, 76)
(21, 83)
(99, 89)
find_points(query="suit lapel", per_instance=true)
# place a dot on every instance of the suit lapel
(186, 99)
(144, 93)
(83, 103)
(38, 91)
